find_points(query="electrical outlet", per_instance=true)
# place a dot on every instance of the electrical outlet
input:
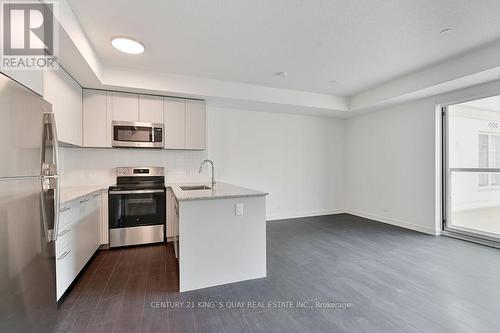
(238, 209)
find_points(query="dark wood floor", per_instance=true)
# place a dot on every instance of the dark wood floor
(381, 278)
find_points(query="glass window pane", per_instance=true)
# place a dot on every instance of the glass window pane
(483, 161)
(495, 179)
(472, 208)
(483, 151)
(495, 151)
(473, 141)
(483, 179)
(495, 158)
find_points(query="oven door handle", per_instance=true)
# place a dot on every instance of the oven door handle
(136, 192)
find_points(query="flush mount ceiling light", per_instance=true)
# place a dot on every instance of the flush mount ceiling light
(445, 31)
(281, 74)
(127, 45)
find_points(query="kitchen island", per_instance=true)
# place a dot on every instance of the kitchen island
(222, 234)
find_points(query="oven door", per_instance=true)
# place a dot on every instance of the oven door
(137, 134)
(136, 208)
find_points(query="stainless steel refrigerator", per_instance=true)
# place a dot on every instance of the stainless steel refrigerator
(29, 206)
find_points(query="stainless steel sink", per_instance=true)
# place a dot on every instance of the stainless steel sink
(195, 188)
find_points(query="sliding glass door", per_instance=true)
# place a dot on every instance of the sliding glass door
(472, 168)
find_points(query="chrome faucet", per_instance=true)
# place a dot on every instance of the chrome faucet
(201, 167)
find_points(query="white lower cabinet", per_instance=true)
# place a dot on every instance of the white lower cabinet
(170, 214)
(176, 228)
(66, 269)
(104, 218)
(173, 219)
(79, 236)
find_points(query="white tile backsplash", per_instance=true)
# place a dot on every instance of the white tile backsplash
(94, 166)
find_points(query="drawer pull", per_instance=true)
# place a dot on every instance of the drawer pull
(62, 210)
(64, 232)
(84, 200)
(62, 256)
(96, 195)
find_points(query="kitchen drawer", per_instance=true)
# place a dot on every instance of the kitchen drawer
(68, 212)
(66, 269)
(84, 199)
(64, 236)
(97, 196)
(77, 238)
(89, 203)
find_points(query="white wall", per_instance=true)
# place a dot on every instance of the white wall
(298, 160)
(382, 165)
(391, 165)
(393, 160)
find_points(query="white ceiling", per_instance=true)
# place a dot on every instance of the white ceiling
(359, 43)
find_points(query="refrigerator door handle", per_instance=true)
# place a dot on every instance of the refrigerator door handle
(50, 177)
(43, 204)
(50, 138)
(50, 206)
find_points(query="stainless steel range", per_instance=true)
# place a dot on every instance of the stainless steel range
(137, 207)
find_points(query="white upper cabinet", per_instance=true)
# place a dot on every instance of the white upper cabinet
(184, 120)
(125, 106)
(32, 79)
(96, 118)
(185, 124)
(151, 109)
(195, 125)
(175, 123)
(65, 95)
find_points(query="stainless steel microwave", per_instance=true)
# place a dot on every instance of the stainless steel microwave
(137, 134)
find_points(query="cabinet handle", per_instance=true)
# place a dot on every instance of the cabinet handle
(84, 200)
(64, 232)
(96, 195)
(62, 256)
(64, 209)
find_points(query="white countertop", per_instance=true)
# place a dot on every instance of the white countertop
(74, 192)
(221, 191)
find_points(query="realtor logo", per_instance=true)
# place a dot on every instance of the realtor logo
(29, 35)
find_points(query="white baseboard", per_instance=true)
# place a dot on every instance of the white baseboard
(305, 214)
(377, 218)
(399, 223)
